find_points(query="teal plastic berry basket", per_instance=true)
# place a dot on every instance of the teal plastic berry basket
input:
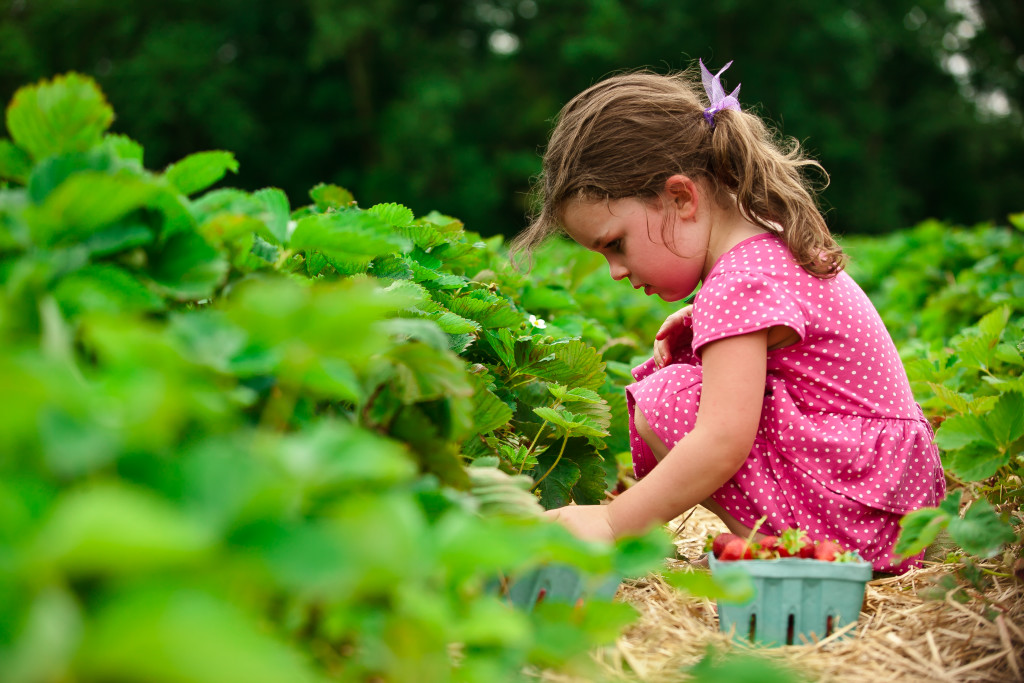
(557, 583)
(793, 597)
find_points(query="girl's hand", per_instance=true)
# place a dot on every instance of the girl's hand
(588, 522)
(674, 335)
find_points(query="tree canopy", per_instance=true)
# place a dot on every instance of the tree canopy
(914, 107)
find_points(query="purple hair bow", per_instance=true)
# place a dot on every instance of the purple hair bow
(716, 93)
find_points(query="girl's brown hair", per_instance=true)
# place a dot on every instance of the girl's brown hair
(624, 137)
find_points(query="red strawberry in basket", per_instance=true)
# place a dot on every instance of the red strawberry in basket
(722, 540)
(828, 551)
(795, 543)
(771, 547)
(737, 549)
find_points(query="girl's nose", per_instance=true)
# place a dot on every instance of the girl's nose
(618, 270)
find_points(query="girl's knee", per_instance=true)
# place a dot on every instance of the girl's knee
(653, 441)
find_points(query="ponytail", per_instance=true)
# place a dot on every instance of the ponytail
(768, 182)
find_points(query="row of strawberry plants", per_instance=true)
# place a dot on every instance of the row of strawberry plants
(953, 298)
(250, 441)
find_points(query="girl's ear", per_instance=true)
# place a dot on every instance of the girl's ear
(684, 195)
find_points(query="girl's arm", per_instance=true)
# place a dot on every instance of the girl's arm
(732, 392)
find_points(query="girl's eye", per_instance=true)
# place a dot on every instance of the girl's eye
(614, 245)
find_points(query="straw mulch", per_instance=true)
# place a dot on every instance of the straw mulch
(899, 637)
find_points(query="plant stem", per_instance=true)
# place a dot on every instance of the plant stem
(530, 449)
(555, 463)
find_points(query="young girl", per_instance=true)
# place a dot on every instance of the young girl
(779, 393)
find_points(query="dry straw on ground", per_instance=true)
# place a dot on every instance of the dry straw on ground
(899, 637)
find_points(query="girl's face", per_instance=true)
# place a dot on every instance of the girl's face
(628, 232)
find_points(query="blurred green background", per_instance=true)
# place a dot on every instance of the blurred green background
(914, 107)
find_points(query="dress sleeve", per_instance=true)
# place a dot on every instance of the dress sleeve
(736, 303)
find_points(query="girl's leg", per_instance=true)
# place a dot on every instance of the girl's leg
(660, 450)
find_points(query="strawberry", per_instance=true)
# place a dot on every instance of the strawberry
(737, 549)
(771, 546)
(827, 551)
(795, 543)
(722, 540)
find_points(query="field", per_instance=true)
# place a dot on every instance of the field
(250, 441)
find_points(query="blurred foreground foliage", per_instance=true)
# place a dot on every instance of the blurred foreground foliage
(245, 441)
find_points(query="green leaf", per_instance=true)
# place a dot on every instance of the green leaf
(333, 457)
(424, 236)
(124, 147)
(961, 430)
(994, 322)
(188, 267)
(590, 489)
(347, 234)
(548, 298)
(199, 171)
(454, 324)
(109, 527)
(556, 488)
(170, 633)
(417, 329)
(315, 263)
(51, 172)
(1007, 353)
(105, 288)
(393, 214)
(15, 164)
(66, 114)
(569, 362)
(438, 452)
(580, 395)
(425, 373)
(277, 212)
(919, 529)
(977, 461)
(458, 343)
(207, 338)
(1006, 421)
(503, 345)
(740, 668)
(331, 197)
(486, 308)
(76, 444)
(47, 638)
(981, 532)
(555, 417)
(86, 202)
(953, 399)
(391, 267)
(119, 237)
(489, 411)
(733, 587)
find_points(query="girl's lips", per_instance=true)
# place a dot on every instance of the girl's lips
(647, 290)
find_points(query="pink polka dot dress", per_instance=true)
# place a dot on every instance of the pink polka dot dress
(842, 450)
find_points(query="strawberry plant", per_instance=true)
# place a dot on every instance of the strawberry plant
(954, 300)
(256, 442)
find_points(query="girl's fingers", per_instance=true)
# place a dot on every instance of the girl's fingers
(674, 321)
(662, 354)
